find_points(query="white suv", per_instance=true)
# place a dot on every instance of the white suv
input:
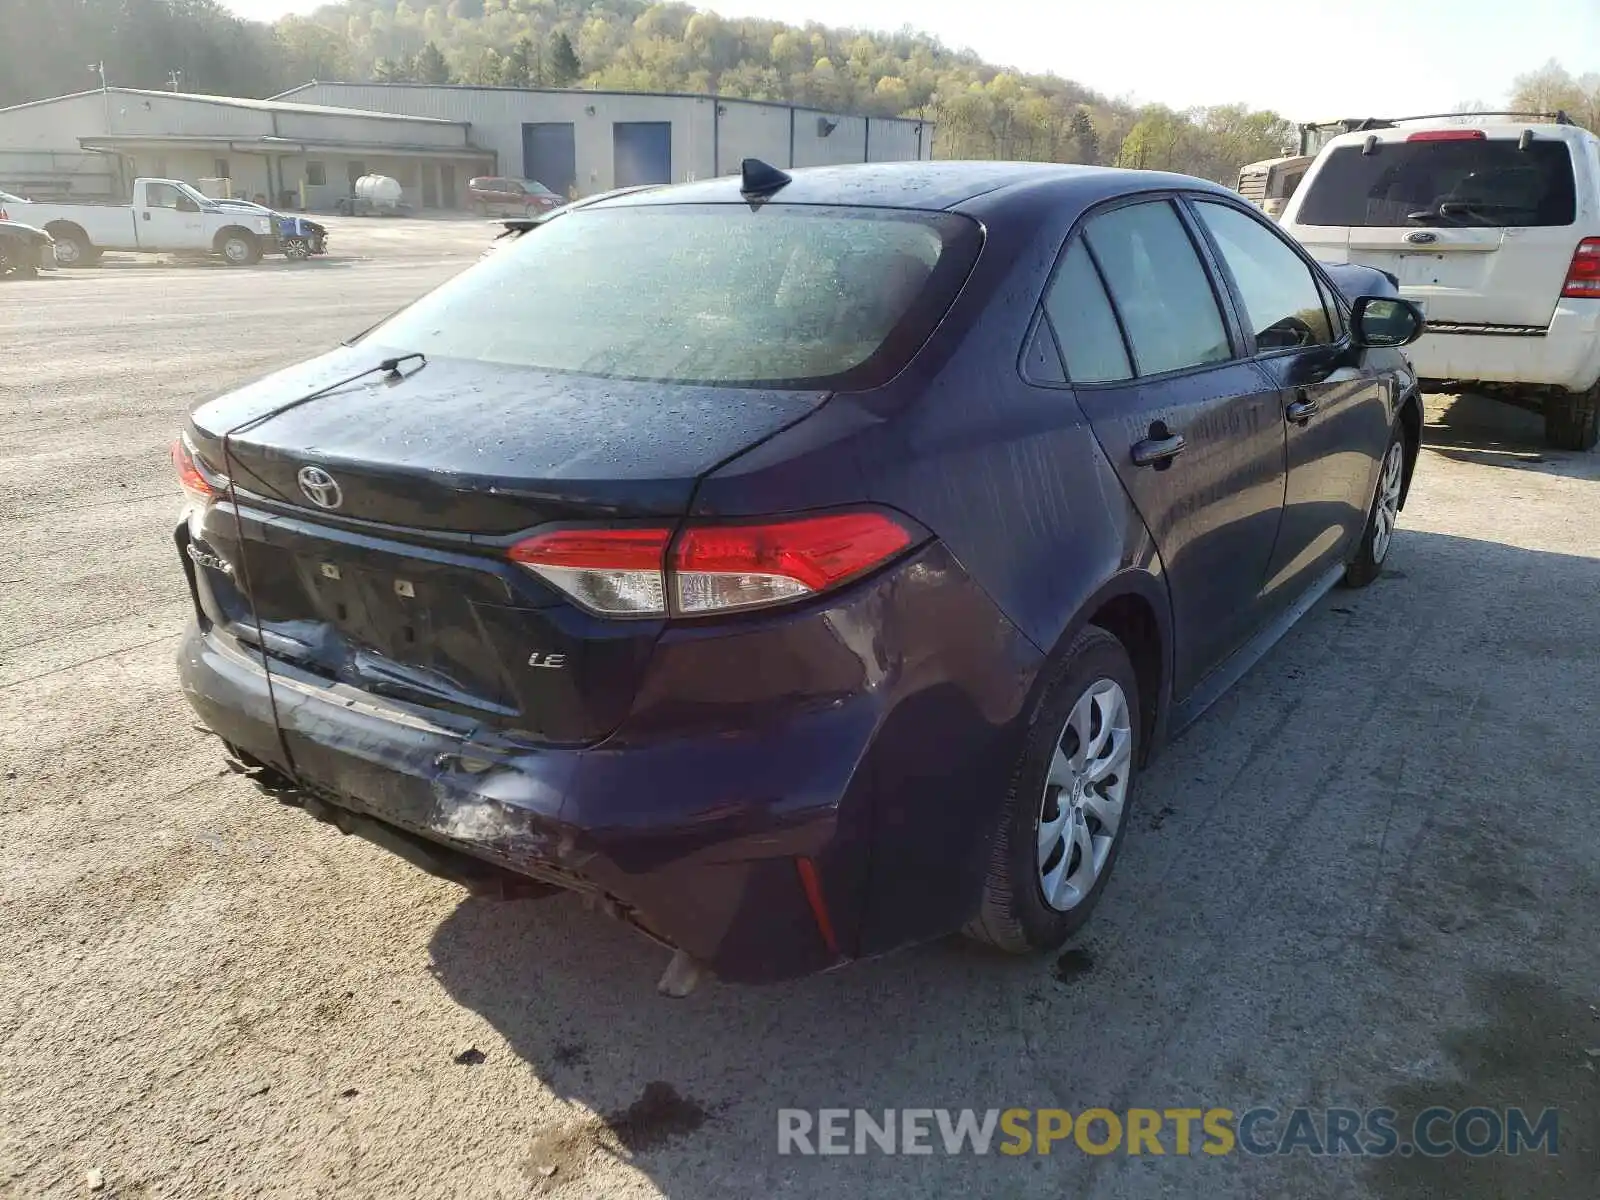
(1492, 224)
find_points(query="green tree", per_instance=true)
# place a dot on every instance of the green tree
(564, 69)
(1085, 140)
(430, 65)
(524, 66)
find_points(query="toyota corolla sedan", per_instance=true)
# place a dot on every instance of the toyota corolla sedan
(801, 565)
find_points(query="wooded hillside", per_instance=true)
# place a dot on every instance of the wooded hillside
(981, 110)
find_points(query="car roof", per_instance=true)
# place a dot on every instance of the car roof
(1493, 129)
(930, 186)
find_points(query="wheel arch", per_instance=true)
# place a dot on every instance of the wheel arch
(228, 231)
(1411, 429)
(60, 228)
(1132, 606)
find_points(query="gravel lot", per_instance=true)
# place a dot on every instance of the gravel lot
(1371, 876)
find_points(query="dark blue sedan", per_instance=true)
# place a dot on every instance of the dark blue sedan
(800, 566)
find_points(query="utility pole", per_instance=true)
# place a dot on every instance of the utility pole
(99, 68)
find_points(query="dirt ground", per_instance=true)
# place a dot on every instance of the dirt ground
(1369, 877)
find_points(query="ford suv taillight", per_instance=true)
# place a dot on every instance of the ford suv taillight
(1583, 276)
(708, 569)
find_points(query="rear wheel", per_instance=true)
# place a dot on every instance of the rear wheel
(239, 248)
(1572, 419)
(1066, 813)
(73, 249)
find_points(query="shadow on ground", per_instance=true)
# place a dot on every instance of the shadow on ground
(1366, 878)
(1487, 432)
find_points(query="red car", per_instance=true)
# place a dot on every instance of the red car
(494, 196)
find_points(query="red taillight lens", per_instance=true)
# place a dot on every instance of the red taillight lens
(194, 483)
(1583, 276)
(716, 568)
(612, 571)
(739, 566)
(1447, 135)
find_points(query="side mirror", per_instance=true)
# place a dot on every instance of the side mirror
(187, 205)
(1384, 321)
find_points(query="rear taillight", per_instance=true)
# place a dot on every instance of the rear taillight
(710, 568)
(1583, 276)
(1447, 135)
(194, 482)
(611, 571)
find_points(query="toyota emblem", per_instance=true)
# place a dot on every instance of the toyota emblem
(320, 488)
(1422, 238)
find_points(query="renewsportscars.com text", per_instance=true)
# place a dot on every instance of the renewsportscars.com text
(1375, 1132)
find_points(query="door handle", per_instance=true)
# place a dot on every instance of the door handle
(1302, 408)
(1159, 447)
(145, 215)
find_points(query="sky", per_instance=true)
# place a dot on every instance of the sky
(1416, 56)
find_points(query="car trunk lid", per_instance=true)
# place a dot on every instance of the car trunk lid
(371, 545)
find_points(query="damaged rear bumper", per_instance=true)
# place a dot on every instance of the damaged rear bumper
(714, 876)
(782, 797)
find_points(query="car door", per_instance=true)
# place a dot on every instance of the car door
(1191, 426)
(169, 220)
(1335, 407)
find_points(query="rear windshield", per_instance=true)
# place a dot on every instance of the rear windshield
(714, 294)
(1469, 184)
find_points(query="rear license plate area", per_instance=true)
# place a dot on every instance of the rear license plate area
(1440, 270)
(390, 613)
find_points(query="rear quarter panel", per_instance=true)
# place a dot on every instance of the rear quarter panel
(1009, 478)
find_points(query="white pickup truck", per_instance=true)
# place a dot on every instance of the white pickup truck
(167, 216)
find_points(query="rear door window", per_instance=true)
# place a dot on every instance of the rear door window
(1470, 183)
(1085, 326)
(1160, 288)
(1281, 299)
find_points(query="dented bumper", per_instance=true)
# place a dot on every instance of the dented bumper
(783, 795)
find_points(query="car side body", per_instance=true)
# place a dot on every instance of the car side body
(497, 196)
(777, 791)
(24, 249)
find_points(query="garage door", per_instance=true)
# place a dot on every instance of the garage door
(642, 152)
(549, 155)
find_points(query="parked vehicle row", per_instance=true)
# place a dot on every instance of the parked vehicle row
(823, 599)
(167, 216)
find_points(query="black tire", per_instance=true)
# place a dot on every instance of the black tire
(1572, 420)
(1014, 915)
(1374, 548)
(239, 247)
(81, 253)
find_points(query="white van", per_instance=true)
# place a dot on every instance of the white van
(1492, 224)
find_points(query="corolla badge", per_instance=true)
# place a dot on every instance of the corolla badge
(1422, 238)
(320, 488)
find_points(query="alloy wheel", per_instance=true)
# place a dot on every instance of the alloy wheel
(1386, 512)
(1085, 793)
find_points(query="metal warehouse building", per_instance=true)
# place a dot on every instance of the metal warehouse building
(601, 140)
(309, 145)
(92, 145)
